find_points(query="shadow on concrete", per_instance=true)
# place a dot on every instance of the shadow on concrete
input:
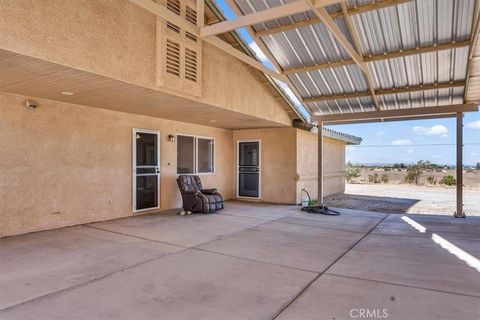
(370, 203)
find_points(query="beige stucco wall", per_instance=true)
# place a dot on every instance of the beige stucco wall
(290, 163)
(278, 162)
(117, 39)
(307, 164)
(62, 164)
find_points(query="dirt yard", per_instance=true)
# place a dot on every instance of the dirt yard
(406, 198)
(471, 178)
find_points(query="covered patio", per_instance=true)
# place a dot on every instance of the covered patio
(251, 261)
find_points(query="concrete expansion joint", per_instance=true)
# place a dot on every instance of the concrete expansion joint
(132, 236)
(185, 248)
(83, 284)
(308, 285)
(402, 285)
(253, 260)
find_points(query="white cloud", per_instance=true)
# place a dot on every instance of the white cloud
(380, 133)
(437, 130)
(289, 92)
(400, 142)
(410, 151)
(473, 125)
(258, 52)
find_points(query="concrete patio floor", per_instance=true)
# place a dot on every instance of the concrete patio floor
(251, 261)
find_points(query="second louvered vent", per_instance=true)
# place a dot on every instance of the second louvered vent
(190, 65)
(174, 6)
(173, 58)
(191, 15)
(179, 55)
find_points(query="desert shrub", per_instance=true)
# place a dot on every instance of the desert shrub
(413, 173)
(352, 172)
(448, 180)
(431, 180)
(373, 178)
(384, 178)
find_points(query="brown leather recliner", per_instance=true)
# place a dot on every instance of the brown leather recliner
(197, 199)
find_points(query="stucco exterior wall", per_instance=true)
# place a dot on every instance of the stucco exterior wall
(278, 162)
(290, 163)
(63, 164)
(307, 165)
(229, 83)
(117, 39)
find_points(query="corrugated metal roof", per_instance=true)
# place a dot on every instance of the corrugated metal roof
(409, 25)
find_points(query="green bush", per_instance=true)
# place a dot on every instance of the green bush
(448, 180)
(413, 173)
(351, 172)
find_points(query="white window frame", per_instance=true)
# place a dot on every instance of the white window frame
(134, 168)
(195, 155)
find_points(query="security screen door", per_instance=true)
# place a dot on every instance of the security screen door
(146, 169)
(248, 169)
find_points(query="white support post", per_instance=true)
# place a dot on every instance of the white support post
(459, 213)
(320, 164)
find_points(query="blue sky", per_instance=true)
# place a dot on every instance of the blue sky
(410, 141)
(394, 142)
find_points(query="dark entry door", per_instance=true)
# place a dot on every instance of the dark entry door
(146, 171)
(248, 169)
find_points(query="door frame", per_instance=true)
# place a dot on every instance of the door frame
(259, 168)
(134, 167)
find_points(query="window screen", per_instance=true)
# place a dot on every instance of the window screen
(185, 154)
(205, 155)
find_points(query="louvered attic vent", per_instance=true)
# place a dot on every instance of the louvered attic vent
(174, 6)
(191, 15)
(190, 65)
(173, 58)
(179, 64)
(173, 27)
(190, 36)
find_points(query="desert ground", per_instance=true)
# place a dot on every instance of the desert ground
(396, 196)
(471, 178)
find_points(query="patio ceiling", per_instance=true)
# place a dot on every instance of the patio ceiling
(363, 55)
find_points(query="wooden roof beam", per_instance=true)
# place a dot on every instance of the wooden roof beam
(379, 57)
(358, 47)
(261, 16)
(269, 55)
(323, 15)
(354, 53)
(354, 95)
(353, 11)
(399, 114)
